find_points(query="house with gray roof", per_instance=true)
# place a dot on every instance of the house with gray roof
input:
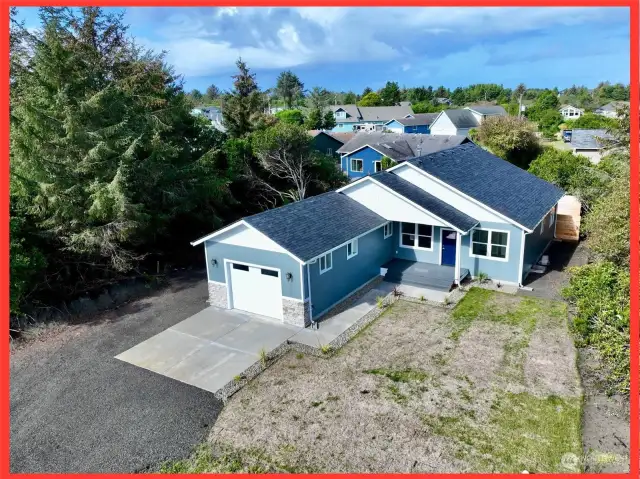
(610, 110)
(417, 123)
(460, 121)
(431, 222)
(589, 143)
(351, 118)
(362, 155)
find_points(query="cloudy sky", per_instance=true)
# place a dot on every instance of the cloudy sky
(351, 48)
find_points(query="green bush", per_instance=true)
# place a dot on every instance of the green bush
(26, 263)
(293, 117)
(600, 291)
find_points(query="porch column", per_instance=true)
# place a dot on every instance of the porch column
(457, 267)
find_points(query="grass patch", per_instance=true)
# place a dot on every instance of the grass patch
(401, 375)
(396, 395)
(468, 309)
(230, 460)
(523, 432)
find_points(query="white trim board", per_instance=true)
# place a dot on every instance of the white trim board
(490, 244)
(455, 190)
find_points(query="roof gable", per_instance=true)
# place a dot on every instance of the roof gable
(506, 189)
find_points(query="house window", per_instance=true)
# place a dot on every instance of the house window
(377, 166)
(388, 230)
(341, 114)
(329, 151)
(552, 217)
(340, 125)
(352, 249)
(326, 262)
(356, 165)
(490, 244)
(416, 236)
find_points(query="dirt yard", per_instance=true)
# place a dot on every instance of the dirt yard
(490, 386)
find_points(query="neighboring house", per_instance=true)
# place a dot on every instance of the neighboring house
(416, 123)
(296, 262)
(569, 112)
(460, 121)
(588, 143)
(610, 110)
(325, 142)
(213, 114)
(363, 154)
(351, 118)
(444, 101)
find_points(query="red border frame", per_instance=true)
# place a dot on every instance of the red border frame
(633, 5)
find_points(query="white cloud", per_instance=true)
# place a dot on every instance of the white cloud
(208, 41)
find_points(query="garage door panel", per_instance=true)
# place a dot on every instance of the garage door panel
(256, 289)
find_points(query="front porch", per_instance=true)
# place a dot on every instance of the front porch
(434, 276)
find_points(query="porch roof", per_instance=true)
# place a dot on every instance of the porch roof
(436, 206)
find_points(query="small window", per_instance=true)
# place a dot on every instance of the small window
(356, 165)
(329, 151)
(377, 166)
(544, 220)
(269, 272)
(388, 230)
(340, 125)
(552, 217)
(352, 249)
(326, 262)
(241, 267)
(490, 244)
(416, 236)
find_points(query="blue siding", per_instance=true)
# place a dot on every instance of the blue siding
(348, 127)
(535, 243)
(497, 270)
(368, 156)
(348, 275)
(417, 129)
(394, 124)
(284, 262)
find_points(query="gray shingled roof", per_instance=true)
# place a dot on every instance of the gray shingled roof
(612, 106)
(371, 113)
(315, 225)
(419, 119)
(427, 201)
(503, 187)
(400, 146)
(384, 113)
(588, 139)
(462, 118)
(488, 109)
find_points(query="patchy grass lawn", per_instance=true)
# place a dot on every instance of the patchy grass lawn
(490, 386)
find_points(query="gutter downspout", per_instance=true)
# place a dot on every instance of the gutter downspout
(313, 323)
(521, 266)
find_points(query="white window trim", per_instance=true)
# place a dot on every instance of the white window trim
(384, 229)
(329, 151)
(374, 166)
(488, 256)
(354, 249)
(415, 235)
(322, 271)
(351, 165)
(544, 220)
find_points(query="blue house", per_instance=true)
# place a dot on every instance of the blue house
(416, 123)
(425, 221)
(351, 118)
(362, 155)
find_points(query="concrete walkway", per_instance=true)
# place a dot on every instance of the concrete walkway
(210, 348)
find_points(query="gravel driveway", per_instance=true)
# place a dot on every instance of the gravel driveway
(75, 408)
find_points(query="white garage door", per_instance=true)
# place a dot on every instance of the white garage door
(256, 290)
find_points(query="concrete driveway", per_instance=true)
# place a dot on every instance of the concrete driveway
(210, 348)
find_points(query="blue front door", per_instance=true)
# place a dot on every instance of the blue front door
(448, 247)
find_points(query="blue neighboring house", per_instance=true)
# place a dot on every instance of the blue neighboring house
(416, 123)
(350, 118)
(429, 221)
(362, 155)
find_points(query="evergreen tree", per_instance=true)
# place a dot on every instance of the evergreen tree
(104, 151)
(289, 87)
(244, 105)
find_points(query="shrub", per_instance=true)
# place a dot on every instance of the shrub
(600, 291)
(511, 138)
(293, 117)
